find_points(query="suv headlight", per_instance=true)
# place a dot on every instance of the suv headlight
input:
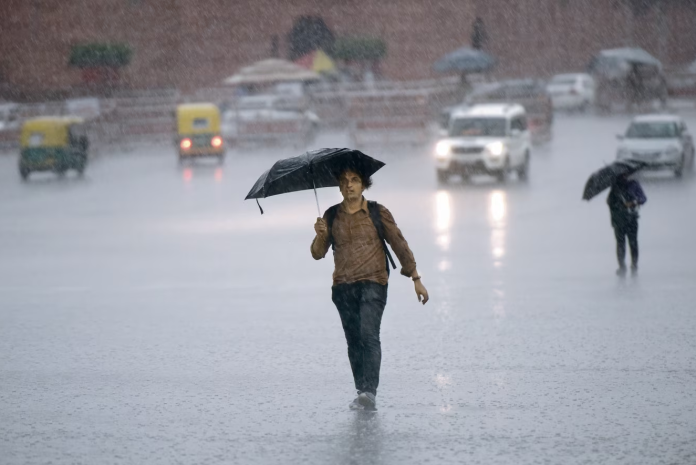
(496, 149)
(623, 153)
(443, 150)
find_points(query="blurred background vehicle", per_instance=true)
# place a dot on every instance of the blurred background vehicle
(488, 139)
(572, 91)
(87, 107)
(661, 141)
(629, 76)
(198, 131)
(529, 93)
(55, 144)
(269, 119)
(393, 117)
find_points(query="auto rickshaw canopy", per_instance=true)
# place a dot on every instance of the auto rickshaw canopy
(197, 118)
(47, 131)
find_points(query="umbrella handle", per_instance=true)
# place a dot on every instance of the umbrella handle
(317, 198)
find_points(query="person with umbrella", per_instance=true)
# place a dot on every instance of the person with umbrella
(357, 229)
(625, 197)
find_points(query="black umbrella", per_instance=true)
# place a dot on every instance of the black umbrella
(607, 176)
(465, 60)
(318, 168)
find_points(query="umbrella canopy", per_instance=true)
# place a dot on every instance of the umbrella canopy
(465, 60)
(317, 168)
(272, 70)
(607, 176)
(630, 54)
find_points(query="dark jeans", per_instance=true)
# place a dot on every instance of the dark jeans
(628, 229)
(361, 306)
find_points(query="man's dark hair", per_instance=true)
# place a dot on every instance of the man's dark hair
(366, 180)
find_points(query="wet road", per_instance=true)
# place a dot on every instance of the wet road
(149, 315)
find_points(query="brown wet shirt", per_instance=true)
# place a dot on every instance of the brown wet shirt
(359, 255)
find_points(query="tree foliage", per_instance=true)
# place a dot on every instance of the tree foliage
(309, 33)
(359, 49)
(91, 55)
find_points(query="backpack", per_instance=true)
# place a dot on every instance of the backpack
(373, 209)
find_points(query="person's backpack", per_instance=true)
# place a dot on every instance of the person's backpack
(373, 209)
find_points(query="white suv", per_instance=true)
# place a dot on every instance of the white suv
(485, 139)
(660, 141)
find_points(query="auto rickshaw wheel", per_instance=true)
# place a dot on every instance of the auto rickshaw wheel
(221, 159)
(24, 173)
(80, 170)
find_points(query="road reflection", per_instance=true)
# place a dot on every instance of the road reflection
(363, 440)
(496, 217)
(203, 172)
(443, 220)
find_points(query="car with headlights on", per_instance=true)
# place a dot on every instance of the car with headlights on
(663, 142)
(490, 139)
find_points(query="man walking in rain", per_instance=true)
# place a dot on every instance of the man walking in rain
(357, 229)
(625, 197)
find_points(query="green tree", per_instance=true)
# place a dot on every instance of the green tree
(100, 55)
(359, 49)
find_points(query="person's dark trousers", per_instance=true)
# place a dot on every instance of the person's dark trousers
(361, 306)
(622, 231)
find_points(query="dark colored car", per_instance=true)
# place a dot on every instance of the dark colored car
(531, 94)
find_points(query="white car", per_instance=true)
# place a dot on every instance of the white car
(572, 91)
(661, 141)
(485, 139)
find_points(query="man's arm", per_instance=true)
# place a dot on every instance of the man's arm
(320, 244)
(393, 235)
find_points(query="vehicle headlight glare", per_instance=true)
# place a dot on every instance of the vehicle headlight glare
(496, 149)
(442, 149)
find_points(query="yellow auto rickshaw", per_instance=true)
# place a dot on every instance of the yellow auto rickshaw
(198, 131)
(53, 143)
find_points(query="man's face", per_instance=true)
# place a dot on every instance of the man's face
(351, 185)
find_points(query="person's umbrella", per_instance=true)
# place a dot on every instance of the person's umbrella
(311, 170)
(465, 60)
(607, 176)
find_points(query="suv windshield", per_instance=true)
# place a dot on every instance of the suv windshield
(481, 127)
(652, 131)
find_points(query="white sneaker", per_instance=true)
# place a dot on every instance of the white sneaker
(367, 400)
(355, 405)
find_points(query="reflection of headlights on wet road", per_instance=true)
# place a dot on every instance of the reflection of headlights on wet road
(496, 149)
(623, 153)
(443, 150)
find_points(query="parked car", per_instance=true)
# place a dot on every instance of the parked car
(485, 139)
(572, 91)
(530, 94)
(661, 141)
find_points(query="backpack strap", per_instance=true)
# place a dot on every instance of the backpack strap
(330, 217)
(373, 208)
